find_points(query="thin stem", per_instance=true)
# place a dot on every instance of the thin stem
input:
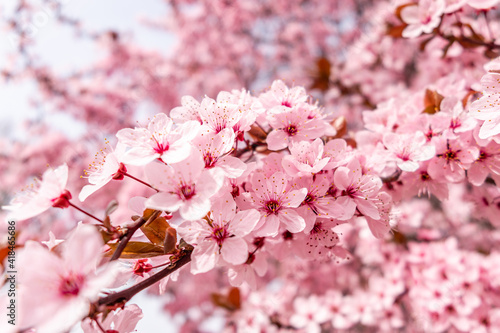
(485, 15)
(86, 213)
(99, 325)
(130, 232)
(124, 296)
(140, 181)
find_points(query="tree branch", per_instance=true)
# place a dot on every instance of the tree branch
(125, 295)
(130, 232)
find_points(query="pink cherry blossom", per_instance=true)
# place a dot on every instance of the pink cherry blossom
(221, 236)
(65, 284)
(309, 314)
(275, 200)
(487, 107)
(121, 321)
(216, 148)
(189, 111)
(280, 94)
(305, 158)
(423, 183)
(292, 125)
(452, 158)
(159, 141)
(220, 114)
(49, 192)
(102, 172)
(185, 186)
(356, 190)
(487, 162)
(422, 17)
(407, 149)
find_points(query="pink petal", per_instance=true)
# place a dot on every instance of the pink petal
(270, 227)
(292, 220)
(277, 140)
(235, 251)
(204, 257)
(164, 201)
(195, 208)
(244, 222)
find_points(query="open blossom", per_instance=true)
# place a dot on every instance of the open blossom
(102, 172)
(280, 94)
(159, 141)
(293, 125)
(65, 285)
(189, 111)
(317, 203)
(216, 148)
(487, 161)
(275, 200)
(487, 107)
(121, 321)
(221, 236)
(422, 17)
(356, 190)
(421, 182)
(453, 156)
(306, 158)
(185, 186)
(407, 149)
(220, 114)
(51, 192)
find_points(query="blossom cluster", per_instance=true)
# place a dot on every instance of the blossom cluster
(373, 207)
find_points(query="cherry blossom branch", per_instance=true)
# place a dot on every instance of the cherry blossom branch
(86, 213)
(124, 296)
(130, 232)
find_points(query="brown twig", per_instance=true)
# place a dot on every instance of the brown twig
(130, 232)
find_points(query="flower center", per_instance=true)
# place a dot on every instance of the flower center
(209, 160)
(161, 147)
(71, 284)
(424, 176)
(291, 130)
(272, 207)
(482, 156)
(186, 192)
(287, 104)
(219, 234)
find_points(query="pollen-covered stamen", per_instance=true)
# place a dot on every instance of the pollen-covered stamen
(186, 191)
(424, 176)
(62, 201)
(450, 155)
(291, 129)
(272, 207)
(219, 234)
(350, 192)
(455, 123)
(71, 284)
(160, 147)
(209, 160)
(482, 156)
(404, 155)
(318, 227)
